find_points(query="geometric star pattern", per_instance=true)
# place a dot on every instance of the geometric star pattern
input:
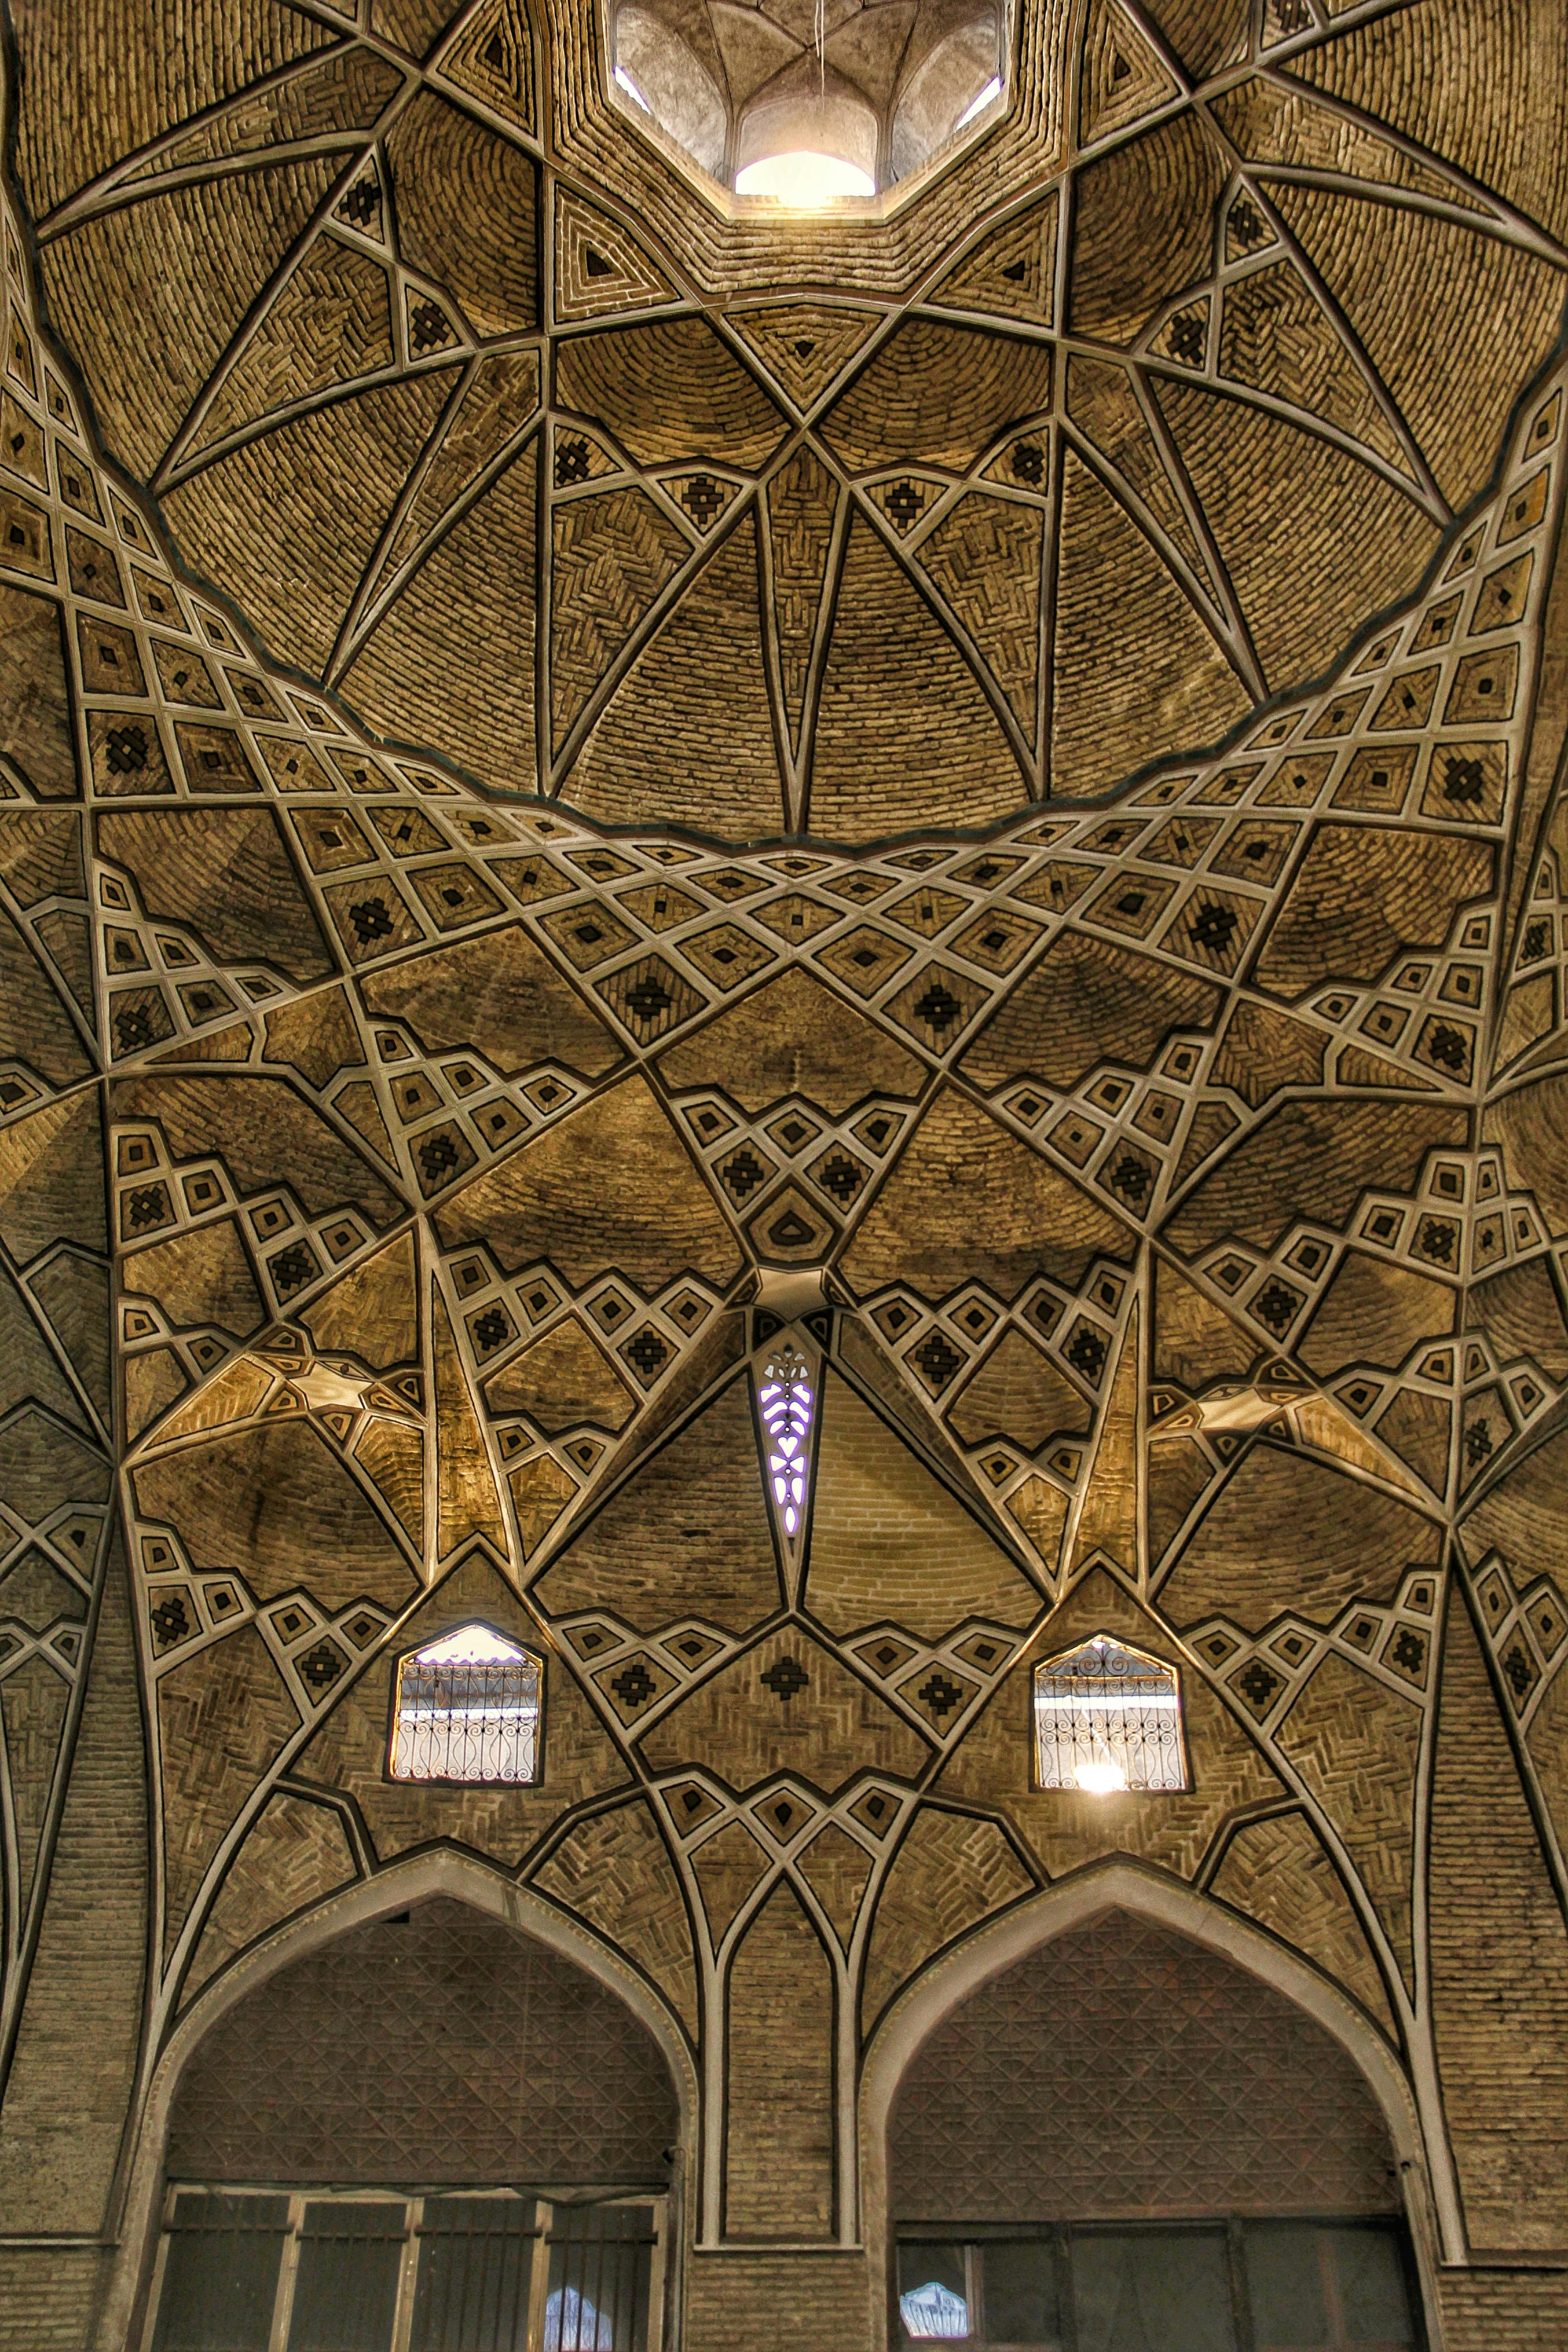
(1109, 435)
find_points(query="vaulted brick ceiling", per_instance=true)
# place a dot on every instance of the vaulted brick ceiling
(1181, 1182)
(487, 417)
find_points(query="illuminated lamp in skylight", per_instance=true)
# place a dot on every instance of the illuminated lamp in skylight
(786, 110)
(811, 142)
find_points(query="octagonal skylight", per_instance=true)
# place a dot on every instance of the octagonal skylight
(810, 103)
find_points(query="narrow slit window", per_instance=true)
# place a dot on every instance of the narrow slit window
(784, 1397)
(467, 1709)
(1107, 1718)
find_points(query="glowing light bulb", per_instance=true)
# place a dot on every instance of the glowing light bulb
(803, 179)
(991, 89)
(1101, 1780)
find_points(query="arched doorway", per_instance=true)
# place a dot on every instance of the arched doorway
(431, 2130)
(1121, 2141)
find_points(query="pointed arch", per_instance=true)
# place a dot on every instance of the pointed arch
(434, 1873)
(1412, 2115)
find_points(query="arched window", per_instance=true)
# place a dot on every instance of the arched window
(1107, 1718)
(1075, 2116)
(946, 91)
(317, 2206)
(467, 1709)
(806, 136)
(659, 72)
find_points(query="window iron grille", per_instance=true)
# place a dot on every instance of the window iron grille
(348, 2265)
(1107, 1718)
(1333, 2285)
(467, 1709)
(596, 2284)
(383, 2270)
